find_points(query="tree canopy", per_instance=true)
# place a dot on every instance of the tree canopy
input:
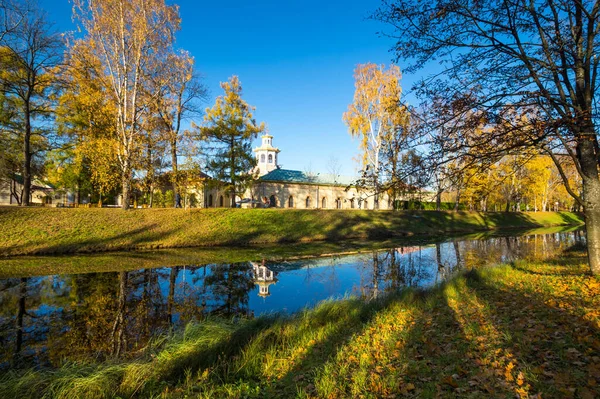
(525, 70)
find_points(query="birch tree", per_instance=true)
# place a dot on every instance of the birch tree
(374, 116)
(126, 39)
(176, 93)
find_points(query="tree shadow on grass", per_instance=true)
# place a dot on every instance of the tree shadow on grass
(220, 355)
(130, 239)
(575, 218)
(331, 325)
(558, 351)
(554, 267)
(441, 357)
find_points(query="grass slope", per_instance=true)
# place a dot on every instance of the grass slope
(529, 329)
(30, 231)
(28, 266)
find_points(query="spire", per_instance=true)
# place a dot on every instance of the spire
(266, 156)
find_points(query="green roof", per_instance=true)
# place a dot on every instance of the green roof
(297, 176)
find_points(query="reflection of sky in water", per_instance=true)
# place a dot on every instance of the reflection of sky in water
(85, 305)
(309, 285)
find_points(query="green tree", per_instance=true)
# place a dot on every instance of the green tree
(229, 128)
(29, 55)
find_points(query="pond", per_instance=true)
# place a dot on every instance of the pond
(48, 319)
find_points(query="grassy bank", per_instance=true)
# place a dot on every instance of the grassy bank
(30, 231)
(28, 266)
(520, 330)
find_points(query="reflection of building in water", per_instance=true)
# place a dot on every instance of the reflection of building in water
(263, 277)
(408, 250)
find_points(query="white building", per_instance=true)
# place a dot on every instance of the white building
(286, 188)
(42, 193)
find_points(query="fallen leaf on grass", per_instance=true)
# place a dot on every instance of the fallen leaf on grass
(450, 381)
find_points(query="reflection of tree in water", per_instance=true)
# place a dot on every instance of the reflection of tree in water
(47, 320)
(392, 270)
(20, 314)
(82, 319)
(229, 286)
(412, 267)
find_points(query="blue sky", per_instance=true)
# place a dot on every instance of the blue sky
(295, 60)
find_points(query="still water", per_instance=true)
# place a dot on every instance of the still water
(47, 320)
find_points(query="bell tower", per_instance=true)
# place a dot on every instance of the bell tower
(266, 156)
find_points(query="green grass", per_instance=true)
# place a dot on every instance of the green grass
(28, 266)
(519, 330)
(34, 231)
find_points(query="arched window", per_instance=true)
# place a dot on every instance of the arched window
(291, 202)
(262, 158)
(210, 200)
(307, 202)
(352, 203)
(270, 158)
(324, 203)
(338, 203)
(272, 201)
(221, 201)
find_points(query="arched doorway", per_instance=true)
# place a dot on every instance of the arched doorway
(221, 201)
(324, 203)
(338, 203)
(210, 201)
(308, 204)
(272, 201)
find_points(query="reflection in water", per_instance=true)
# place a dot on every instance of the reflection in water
(263, 277)
(52, 319)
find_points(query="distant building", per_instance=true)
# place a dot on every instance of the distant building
(42, 193)
(286, 188)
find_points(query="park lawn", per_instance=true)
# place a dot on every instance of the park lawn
(42, 265)
(36, 231)
(528, 329)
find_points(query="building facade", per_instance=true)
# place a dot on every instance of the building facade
(286, 188)
(42, 193)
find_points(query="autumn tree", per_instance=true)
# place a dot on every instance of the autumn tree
(374, 116)
(29, 54)
(85, 118)
(175, 93)
(229, 128)
(125, 40)
(502, 56)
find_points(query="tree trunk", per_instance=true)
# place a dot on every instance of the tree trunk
(438, 200)
(27, 157)
(119, 342)
(457, 254)
(375, 276)
(175, 180)
(591, 199)
(171, 295)
(457, 203)
(126, 181)
(19, 318)
(438, 260)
